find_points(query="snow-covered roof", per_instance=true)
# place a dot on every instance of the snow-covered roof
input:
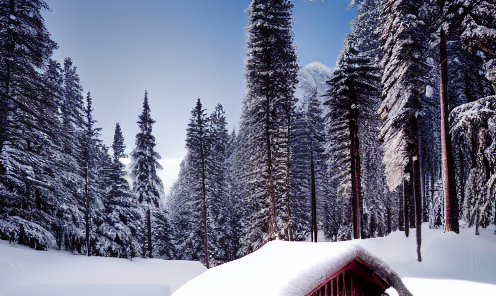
(285, 268)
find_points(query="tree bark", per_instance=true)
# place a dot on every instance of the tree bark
(314, 199)
(204, 198)
(149, 233)
(406, 201)
(87, 214)
(401, 214)
(272, 230)
(289, 232)
(418, 204)
(448, 172)
(355, 172)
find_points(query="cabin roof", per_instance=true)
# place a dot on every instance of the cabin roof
(286, 268)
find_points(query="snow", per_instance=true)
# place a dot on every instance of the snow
(24, 271)
(312, 81)
(453, 264)
(283, 268)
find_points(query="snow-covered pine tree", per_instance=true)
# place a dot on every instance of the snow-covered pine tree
(216, 167)
(118, 145)
(404, 87)
(475, 123)
(147, 186)
(308, 170)
(198, 143)
(355, 80)
(479, 26)
(121, 220)
(178, 210)
(89, 146)
(70, 207)
(378, 203)
(232, 201)
(466, 79)
(270, 72)
(475, 23)
(310, 206)
(28, 132)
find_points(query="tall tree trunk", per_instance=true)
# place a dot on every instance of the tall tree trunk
(204, 203)
(314, 199)
(289, 233)
(401, 212)
(355, 173)
(425, 214)
(406, 202)
(462, 177)
(418, 204)
(149, 233)
(87, 214)
(448, 172)
(272, 231)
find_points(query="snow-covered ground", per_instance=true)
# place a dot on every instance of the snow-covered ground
(24, 271)
(463, 264)
(452, 264)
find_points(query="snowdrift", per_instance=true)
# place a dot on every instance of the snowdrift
(24, 271)
(453, 264)
(286, 269)
(463, 264)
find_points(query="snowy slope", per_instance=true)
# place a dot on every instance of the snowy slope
(24, 271)
(312, 82)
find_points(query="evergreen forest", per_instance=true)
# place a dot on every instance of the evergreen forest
(402, 131)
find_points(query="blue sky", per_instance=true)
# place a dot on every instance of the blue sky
(178, 50)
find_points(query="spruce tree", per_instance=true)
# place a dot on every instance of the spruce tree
(28, 112)
(69, 161)
(354, 81)
(270, 72)
(308, 170)
(232, 201)
(217, 162)
(404, 87)
(121, 222)
(474, 123)
(89, 146)
(147, 186)
(198, 145)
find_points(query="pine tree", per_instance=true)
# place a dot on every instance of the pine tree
(378, 202)
(118, 145)
(198, 145)
(121, 220)
(69, 162)
(475, 123)
(355, 79)
(147, 186)
(308, 170)
(404, 87)
(232, 200)
(28, 112)
(479, 27)
(179, 209)
(403, 90)
(89, 145)
(219, 216)
(270, 72)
